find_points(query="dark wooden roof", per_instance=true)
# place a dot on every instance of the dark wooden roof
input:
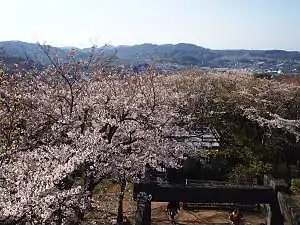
(203, 139)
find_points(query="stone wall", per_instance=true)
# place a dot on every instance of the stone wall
(288, 208)
(290, 213)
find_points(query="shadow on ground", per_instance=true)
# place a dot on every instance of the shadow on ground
(159, 216)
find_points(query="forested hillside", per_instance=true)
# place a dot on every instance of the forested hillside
(182, 54)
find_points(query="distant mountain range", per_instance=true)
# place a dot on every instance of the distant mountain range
(182, 54)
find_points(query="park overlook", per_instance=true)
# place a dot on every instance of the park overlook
(144, 112)
(90, 142)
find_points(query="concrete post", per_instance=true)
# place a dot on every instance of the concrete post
(274, 213)
(274, 216)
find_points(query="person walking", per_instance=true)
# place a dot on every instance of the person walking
(172, 210)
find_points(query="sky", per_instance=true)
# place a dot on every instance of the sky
(215, 24)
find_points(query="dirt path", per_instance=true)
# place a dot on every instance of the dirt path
(107, 202)
(160, 217)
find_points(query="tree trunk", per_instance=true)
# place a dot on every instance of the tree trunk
(79, 214)
(120, 202)
(59, 219)
(88, 187)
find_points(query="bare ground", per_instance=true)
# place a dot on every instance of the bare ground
(160, 217)
(107, 211)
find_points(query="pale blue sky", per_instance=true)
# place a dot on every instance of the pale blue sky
(216, 24)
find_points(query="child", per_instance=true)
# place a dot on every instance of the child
(236, 217)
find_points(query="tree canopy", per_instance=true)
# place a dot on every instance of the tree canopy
(81, 119)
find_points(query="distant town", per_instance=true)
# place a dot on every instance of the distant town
(281, 68)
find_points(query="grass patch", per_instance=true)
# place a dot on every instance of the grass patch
(104, 186)
(106, 201)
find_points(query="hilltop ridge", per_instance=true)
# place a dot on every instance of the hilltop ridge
(185, 54)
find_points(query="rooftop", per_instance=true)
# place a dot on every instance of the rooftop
(206, 138)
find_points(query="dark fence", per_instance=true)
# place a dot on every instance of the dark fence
(207, 193)
(280, 208)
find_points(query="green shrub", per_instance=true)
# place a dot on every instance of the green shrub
(295, 186)
(246, 173)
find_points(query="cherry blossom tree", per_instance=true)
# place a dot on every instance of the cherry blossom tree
(258, 119)
(38, 118)
(72, 123)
